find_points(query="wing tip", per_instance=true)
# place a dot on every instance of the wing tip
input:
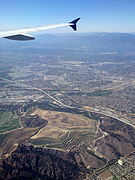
(74, 24)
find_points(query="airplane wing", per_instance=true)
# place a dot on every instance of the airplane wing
(21, 34)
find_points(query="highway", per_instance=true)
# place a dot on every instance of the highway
(113, 116)
(35, 88)
(64, 105)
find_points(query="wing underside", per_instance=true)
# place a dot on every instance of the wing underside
(22, 35)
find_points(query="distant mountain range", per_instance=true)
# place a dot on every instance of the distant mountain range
(86, 47)
(93, 42)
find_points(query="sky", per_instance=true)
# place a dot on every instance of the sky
(96, 15)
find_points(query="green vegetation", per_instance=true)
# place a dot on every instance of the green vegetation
(95, 93)
(42, 141)
(8, 121)
(46, 141)
(115, 178)
(58, 146)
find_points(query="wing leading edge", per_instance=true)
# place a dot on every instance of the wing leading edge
(21, 34)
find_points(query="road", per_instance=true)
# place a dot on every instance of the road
(113, 116)
(35, 88)
(64, 105)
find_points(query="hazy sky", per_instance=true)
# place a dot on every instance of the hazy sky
(97, 15)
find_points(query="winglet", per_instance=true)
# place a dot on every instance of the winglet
(73, 24)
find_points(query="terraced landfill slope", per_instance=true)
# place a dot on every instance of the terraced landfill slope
(97, 140)
(67, 107)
